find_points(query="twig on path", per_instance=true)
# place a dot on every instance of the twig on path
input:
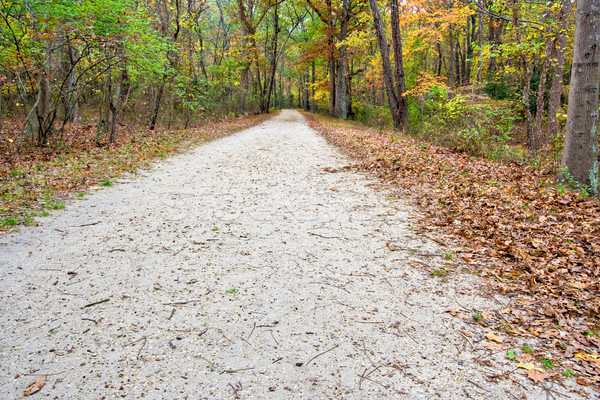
(551, 391)
(92, 320)
(90, 224)
(142, 339)
(342, 304)
(237, 396)
(379, 383)
(476, 384)
(279, 359)
(365, 375)
(74, 283)
(203, 332)
(113, 250)
(438, 241)
(273, 336)
(329, 284)
(95, 303)
(183, 302)
(142, 347)
(233, 371)
(172, 313)
(467, 339)
(463, 307)
(320, 354)
(407, 334)
(251, 332)
(512, 395)
(323, 236)
(367, 354)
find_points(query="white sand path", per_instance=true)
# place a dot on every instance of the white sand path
(227, 270)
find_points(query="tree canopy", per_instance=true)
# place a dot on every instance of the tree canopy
(480, 75)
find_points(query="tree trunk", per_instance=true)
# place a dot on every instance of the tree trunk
(580, 157)
(341, 105)
(313, 107)
(269, 80)
(480, 45)
(161, 89)
(560, 43)
(397, 101)
(538, 138)
(398, 64)
(469, 50)
(526, 77)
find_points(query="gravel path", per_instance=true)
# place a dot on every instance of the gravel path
(255, 266)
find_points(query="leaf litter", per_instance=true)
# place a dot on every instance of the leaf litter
(531, 240)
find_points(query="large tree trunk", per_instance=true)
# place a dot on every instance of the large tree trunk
(580, 157)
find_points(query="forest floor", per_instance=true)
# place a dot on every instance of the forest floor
(267, 265)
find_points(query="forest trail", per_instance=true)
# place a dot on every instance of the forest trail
(255, 266)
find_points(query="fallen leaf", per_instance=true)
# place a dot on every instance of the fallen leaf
(588, 357)
(537, 376)
(494, 346)
(529, 367)
(526, 303)
(493, 338)
(35, 386)
(583, 382)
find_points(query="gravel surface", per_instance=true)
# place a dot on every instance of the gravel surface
(255, 266)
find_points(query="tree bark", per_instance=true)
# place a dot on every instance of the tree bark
(526, 78)
(580, 157)
(538, 138)
(341, 110)
(313, 107)
(395, 92)
(560, 43)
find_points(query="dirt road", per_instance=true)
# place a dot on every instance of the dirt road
(255, 266)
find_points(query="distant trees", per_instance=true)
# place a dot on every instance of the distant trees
(477, 68)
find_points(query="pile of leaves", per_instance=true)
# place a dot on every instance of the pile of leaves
(534, 241)
(36, 179)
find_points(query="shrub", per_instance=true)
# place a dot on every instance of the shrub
(498, 90)
(376, 116)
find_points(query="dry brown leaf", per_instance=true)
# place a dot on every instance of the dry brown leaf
(537, 376)
(486, 316)
(494, 346)
(583, 382)
(493, 337)
(35, 386)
